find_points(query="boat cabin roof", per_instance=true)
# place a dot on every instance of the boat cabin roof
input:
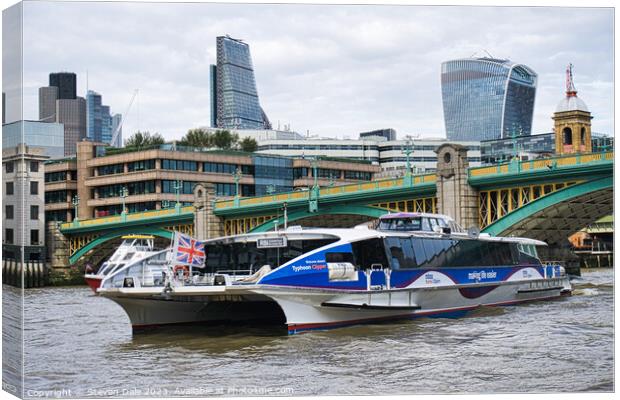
(361, 233)
(399, 215)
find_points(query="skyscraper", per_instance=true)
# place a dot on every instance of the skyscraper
(72, 113)
(234, 98)
(93, 115)
(106, 124)
(47, 103)
(66, 84)
(58, 103)
(99, 121)
(116, 125)
(487, 98)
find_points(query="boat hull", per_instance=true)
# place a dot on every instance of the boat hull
(152, 312)
(320, 310)
(304, 309)
(93, 281)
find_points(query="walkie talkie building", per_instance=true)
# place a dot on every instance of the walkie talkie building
(487, 98)
(234, 98)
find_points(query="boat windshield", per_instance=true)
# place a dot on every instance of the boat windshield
(401, 224)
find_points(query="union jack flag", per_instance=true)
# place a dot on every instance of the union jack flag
(188, 251)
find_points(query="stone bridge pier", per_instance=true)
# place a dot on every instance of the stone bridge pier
(455, 197)
(206, 224)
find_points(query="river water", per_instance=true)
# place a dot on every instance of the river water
(80, 345)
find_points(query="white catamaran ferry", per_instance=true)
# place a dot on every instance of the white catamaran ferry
(413, 265)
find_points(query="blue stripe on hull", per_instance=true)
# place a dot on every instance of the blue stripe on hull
(449, 313)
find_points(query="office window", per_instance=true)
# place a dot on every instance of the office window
(34, 166)
(8, 236)
(10, 166)
(8, 212)
(34, 212)
(34, 187)
(34, 236)
(9, 188)
(56, 176)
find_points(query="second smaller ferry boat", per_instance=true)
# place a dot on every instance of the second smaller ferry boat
(133, 248)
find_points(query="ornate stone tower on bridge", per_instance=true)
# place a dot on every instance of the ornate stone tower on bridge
(572, 124)
(455, 197)
(206, 224)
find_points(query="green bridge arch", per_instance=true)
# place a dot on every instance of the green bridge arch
(518, 216)
(159, 232)
(372, 212)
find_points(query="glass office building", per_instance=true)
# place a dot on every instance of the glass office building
(98, 119)
(272, 174)
(532, 147)
(66, 82)
(48, 136)
(234, 98)
(487, 98)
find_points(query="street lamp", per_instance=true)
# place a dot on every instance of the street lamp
(124, 193)
(177, 189)
(76, 202)
(236, 177)
(315, 175)
(408, 150)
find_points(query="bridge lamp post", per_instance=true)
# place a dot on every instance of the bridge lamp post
(236, 177)
(178, 184)
(408, 150)
(124, 193)
(313, 203)
(76, 202)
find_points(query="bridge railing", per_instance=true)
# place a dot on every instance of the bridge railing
(326, 191)
(138, 216)
(541, 164)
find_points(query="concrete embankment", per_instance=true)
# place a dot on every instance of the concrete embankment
(27, 275)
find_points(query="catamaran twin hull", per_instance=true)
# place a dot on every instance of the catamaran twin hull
(308, 308)
(320, 278)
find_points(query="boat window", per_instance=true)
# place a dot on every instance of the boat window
(441, 253)
(433, 223)
(247, 257)
(368, 253)
(401, 224)
(401, 252)
(128, 256)
(339, 257)
(425, 225)
(528, 254)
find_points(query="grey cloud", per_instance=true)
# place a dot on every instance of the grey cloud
(334, 70)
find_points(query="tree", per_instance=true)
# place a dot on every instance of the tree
(197, 138)
(223, 139)
(143, 139)
(248, 144)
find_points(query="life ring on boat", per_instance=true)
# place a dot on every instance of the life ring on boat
(185, 269)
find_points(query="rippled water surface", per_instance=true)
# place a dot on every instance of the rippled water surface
(82, 344)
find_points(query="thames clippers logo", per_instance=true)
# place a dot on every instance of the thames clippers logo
(482, 275)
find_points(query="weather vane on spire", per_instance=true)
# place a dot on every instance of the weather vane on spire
(570, 86)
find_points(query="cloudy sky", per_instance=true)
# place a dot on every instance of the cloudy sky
(329, 70)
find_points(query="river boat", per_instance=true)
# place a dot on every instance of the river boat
(320, 278)
(131, 249)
